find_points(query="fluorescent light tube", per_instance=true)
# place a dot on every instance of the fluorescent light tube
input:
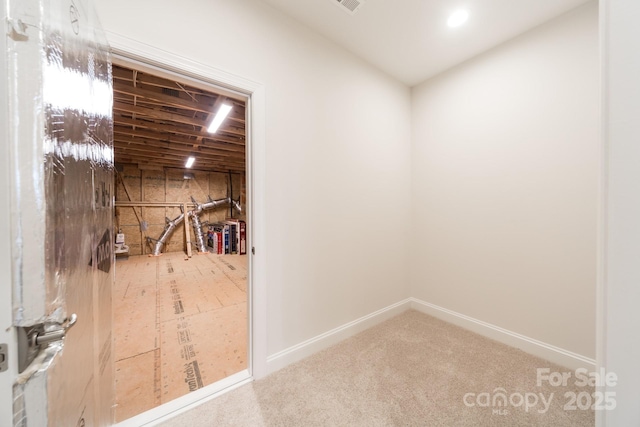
(190, 162)
(458, 18)
(222, 113)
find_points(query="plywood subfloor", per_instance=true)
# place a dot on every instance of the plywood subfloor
(179, 325)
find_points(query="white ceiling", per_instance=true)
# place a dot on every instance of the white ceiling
(410, 40)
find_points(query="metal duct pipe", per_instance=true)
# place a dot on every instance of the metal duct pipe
(215, 203)
(168, 229)
(195, 219)
(235, 204)
(198, 209)
(197, 230)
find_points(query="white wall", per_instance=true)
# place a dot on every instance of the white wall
(338, 141)
(502, 185)
(619, 340)
(505, 180)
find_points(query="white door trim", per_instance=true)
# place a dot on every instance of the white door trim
(133, 50)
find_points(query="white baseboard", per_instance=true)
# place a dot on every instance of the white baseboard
(532, 346)
(306, 348)
(537, 348)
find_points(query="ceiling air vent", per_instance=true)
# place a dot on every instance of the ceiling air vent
(349, 6)
(171, 92)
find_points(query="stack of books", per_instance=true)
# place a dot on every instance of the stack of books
(229, 237)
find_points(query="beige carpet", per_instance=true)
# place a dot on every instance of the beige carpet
(412, 370)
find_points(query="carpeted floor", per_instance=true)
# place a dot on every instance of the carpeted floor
(412, 370)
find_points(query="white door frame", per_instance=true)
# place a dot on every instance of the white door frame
(128, 50)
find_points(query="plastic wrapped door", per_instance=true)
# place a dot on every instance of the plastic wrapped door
(61, 211)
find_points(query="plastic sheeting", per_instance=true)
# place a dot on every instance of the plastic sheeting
(62, 207)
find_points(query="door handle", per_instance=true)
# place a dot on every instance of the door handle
(56, 334)
(32, 339)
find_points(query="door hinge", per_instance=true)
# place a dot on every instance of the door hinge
(4, 356)
(31, 339)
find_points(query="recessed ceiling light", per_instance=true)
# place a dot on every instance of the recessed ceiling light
(458, 18)
(219, 118)
(190, 162)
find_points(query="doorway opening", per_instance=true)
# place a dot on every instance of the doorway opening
(181, 306)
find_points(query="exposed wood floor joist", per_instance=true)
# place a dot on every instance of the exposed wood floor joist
(161, 122)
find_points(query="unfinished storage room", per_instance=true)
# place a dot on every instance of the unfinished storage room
(180, 296)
